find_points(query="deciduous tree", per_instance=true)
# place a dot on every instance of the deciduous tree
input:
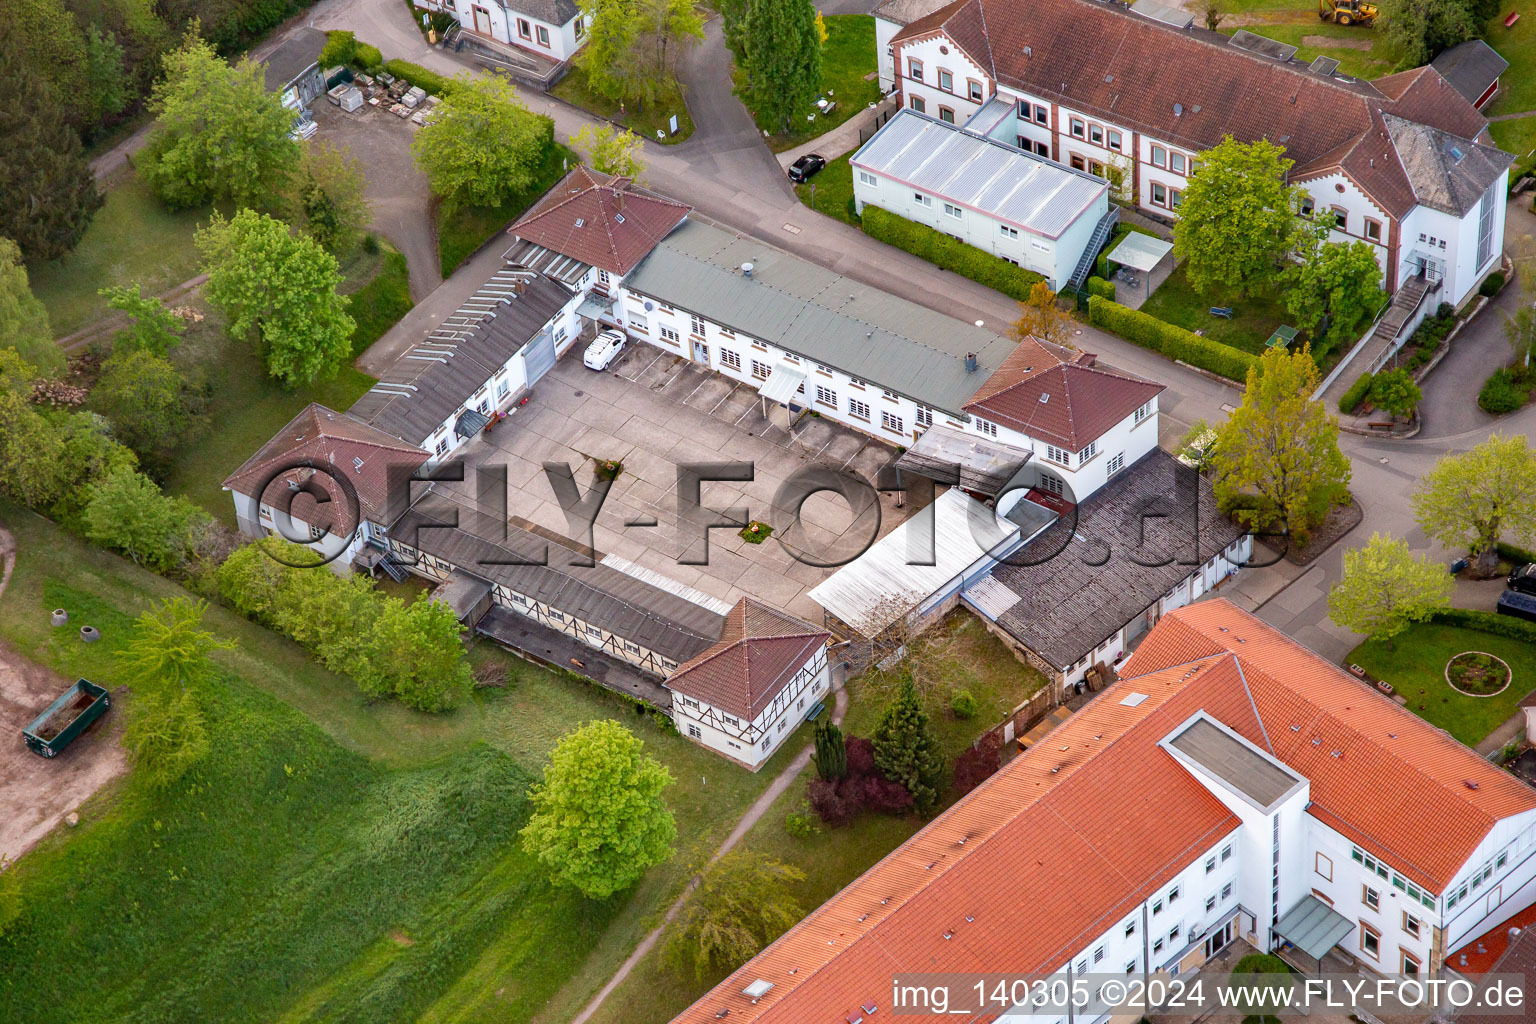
(1040, 317)
(219, 135)
(1339, 281)
(742, 903)
(610, 150)
(599, 819)
(167, 734)
(415, 653)
(1478, 498)
(168, 649)
(1237, 219)
(23, 320)
(482, 145)
(48, 192)
(1394, 391)
(1386, 587)
(1419, 29)
(783, 62)
(278, 290)
(126, 511)
(906, 751)
(331, 199)
(1280, 447)
(151, 327)
(141, 394)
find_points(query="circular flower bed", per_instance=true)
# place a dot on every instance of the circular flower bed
(1477, 674)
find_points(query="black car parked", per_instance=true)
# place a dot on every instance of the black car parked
(805, 167)
(1523, 579)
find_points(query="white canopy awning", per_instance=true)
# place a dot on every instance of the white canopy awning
(782, 383)
(1140, 252)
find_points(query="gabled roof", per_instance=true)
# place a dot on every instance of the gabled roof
(297, 54)
(759, 652)
(369, 459)
(1068, 823)
(1446, 172)
(604, 221)
(1193, 87)
(1065, 403)
(1471, 68)
(904, 12)
(551, 12)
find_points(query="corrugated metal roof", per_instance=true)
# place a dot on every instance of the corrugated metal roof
(884, 583)
(812, 312)
(994, 177)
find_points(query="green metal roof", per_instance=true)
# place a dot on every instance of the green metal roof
(1313, 926)
(820, 315)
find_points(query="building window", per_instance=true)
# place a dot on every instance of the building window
(1373, 229)
(731, 358)
(1173, 934)
(1116, 464)
(581, 27)
(1088, 452)
(1324, 867)
(543, 35)
(1057, 455)
(918, 104)
(946, 81)
(1114, 139)
(697, 323)
(892, 423)
(1130, 967)
(767, 742)
(922, 200)
(1412, 925)
(1226, 892)
(1052, 484)
(858, 408)
(442, 448)
(1095, 168)
(1078, 163)
(1370, 897)
(1042, 115)
(1410, 964)
(946, 115)
(1173, 895)
(924, 416)
(1370, 941)
(761, 370)
(1210, 904)
(952, 209)
(1079, 128)
(523, 28)
(1176, 162)
(868, 179)
(1096, 135)
(1307, 207)
(1141, 413)
(914, 69)
(975, 90)
(826, 396)
(503, 388)
(1007, 232)
(1098, 954)
(693, 732)
(1226, 853)
(1484, 227)
(1175, 199)
(1159, 194)
(1340, 217)
(1157, 945)
(1159, 156)
(1043, 149)
(1130, 927)
(668, 334)
(986, 427)
(1157, 907)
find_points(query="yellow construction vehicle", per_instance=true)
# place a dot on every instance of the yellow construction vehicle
(1346, 12)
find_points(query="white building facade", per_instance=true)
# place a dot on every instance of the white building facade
(552, 28)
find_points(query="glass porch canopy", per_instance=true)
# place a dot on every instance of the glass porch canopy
(1313, 927)
(1140, 252)
(782, 383)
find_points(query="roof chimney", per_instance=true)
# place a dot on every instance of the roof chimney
(746, 270)
(971, 365)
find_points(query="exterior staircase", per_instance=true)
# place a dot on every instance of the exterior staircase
(1373, 352)
(1101, 233)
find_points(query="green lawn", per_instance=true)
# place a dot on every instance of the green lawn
(1415, 666)
(462, 230)
(833, 190)
(1292, 26)
(1254, 318)
(653, 994)
(346, 861)
(1517, 86)
(846, 58)
(380, 286)
(1517, 138)
(646, 122)
(132, 238)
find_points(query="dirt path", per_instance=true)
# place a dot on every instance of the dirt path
(754, 814)
(36, 794)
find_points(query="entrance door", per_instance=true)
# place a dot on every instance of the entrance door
(1494, 898)
(1218, 939)
(482, 21)
(701, 352)
(539, 356)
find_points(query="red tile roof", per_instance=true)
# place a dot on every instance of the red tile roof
(759, 651)
(1065, 403)
(1494, 943)
(604, 221)
(337, 443)
(1134, 72)
(1068, 822)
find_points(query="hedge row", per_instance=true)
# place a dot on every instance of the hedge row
(1487, 622)
(1100, 287)
(430, 82)
(1510, 553)
(948, 254)
(343, 48)
(1174, 342)
(1351, 399)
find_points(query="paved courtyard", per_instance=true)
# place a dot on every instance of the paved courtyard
(654, 413)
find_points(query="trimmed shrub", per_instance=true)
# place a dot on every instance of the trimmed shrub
(946, 253)
(1492, 284)
(828, 802)
(977, 764)
(340, 48)
(1487, 622)
(1174, 342)
(1500, 394)
(1510, 553)
(1100, 287)
(369, 58)
(430, 82)
(1351, 399)
(962, 703)
(800, 825)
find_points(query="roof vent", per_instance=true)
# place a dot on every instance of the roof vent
(580, 221)
(757, 989)
(949, 935)
(1045, 396)
(1029, 51)
(1295, 728)
(1470, 783)
(971, 365)
(868, 1007)
(722, 1013)
(1317, 741)
(1178, 110)
(357, 464)
(1336, 753)
(746, 270)
(1195, 109)
(970, 918)
(1109, 78)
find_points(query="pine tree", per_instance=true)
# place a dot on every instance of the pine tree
(48, 194)
(783, 59)
(831, 752)
(906, 752)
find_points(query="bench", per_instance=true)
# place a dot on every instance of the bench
(1514, 16)
(1225, 312)
(1380, 425)
(816, 711)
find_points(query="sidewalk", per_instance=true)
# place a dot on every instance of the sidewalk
(842, 139)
